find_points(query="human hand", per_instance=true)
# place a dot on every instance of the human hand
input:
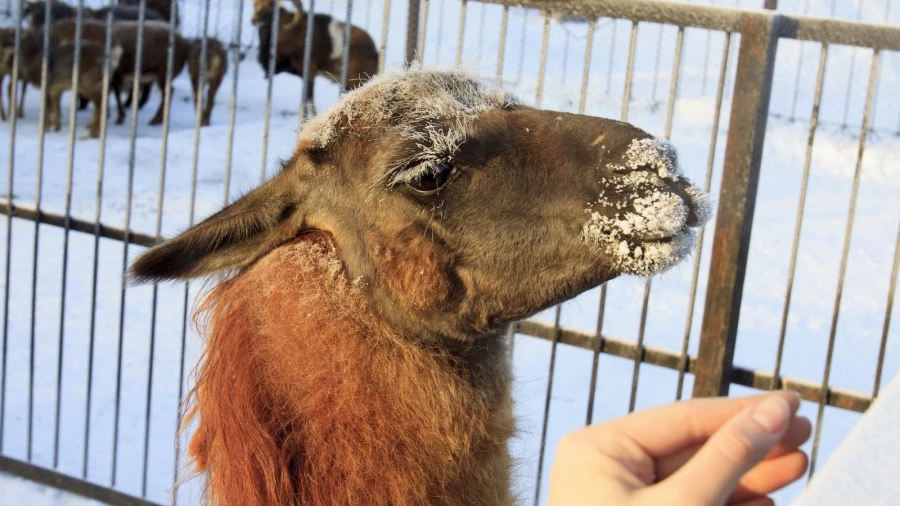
(703, 452)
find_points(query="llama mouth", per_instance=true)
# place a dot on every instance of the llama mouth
(646, 217)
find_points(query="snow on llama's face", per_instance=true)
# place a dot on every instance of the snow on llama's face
(457, 209)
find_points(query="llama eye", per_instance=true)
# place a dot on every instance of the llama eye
(432, 179)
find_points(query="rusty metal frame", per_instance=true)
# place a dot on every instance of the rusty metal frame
(737, 201)
(69, 483)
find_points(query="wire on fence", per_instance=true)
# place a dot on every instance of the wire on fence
(132, 146)
(851, 215)
(161, 186)
(39, 184)
(801, 206)
(70, 169)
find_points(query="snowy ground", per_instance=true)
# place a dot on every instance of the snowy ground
(834, 156)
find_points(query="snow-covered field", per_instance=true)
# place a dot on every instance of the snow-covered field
(834, 156)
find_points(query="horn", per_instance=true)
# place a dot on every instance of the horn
(298, 13)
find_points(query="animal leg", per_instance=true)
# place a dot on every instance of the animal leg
(94, 125)
(82, 102)
(21, 99)
(211, 100)
(158, 117)
(117, 91)
(145, 94)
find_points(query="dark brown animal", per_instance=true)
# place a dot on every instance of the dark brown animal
(327, 47)
(59, 73)
(358, 353)
(154, 57)
(216, 67)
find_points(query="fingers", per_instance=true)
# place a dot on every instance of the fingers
(687, 423)
(797, 434)
(771, 475)
(734, 450)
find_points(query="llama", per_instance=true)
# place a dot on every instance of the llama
(357, 354)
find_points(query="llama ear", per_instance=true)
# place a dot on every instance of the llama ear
(232, 238)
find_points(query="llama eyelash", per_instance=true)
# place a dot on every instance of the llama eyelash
(434, 144)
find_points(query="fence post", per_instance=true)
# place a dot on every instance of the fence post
(737, 200)
(412, 31)
(772, 5)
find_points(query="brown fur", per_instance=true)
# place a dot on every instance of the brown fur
(216, 67)
(305, 397)
(358, 356)
(59, 73)
(154, 59)
(363, 58)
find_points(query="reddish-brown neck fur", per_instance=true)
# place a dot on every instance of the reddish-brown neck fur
(306, 397)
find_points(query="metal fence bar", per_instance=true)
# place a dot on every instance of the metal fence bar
(801, 206)
(70, 169)
(629, 71)
(760, 380)
(710, 162)
(161, 187)
(132, 145)
(542, 67)
(270, 76)
(586, 73)
(612, 53)
(412, 29)
(235, 68)
(385, 20)
(96, 227)
(740, 178)
(307, 64)
(345, 54)
(78, 225)
(39, 184)
(10, 179)
(887, 318)
(558, 311)
(423, 25)
(461, 34)
(554, 344)
(192, 202)
(645, 303)
(68, 483)
(848, 234)
(501, 50)
(582, 100)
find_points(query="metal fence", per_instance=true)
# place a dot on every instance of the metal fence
(69, 318)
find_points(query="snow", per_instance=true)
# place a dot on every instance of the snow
(859, 328)
(863, 469)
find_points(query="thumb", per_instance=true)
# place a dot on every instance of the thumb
(711, 476)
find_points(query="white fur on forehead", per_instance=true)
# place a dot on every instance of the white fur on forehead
(398, 100)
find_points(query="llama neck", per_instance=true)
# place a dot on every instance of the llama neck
(306, 397)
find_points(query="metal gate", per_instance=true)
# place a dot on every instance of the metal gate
(93, 369)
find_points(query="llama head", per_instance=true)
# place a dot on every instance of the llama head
(456, 209)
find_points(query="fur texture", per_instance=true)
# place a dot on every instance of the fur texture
(304, 397)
